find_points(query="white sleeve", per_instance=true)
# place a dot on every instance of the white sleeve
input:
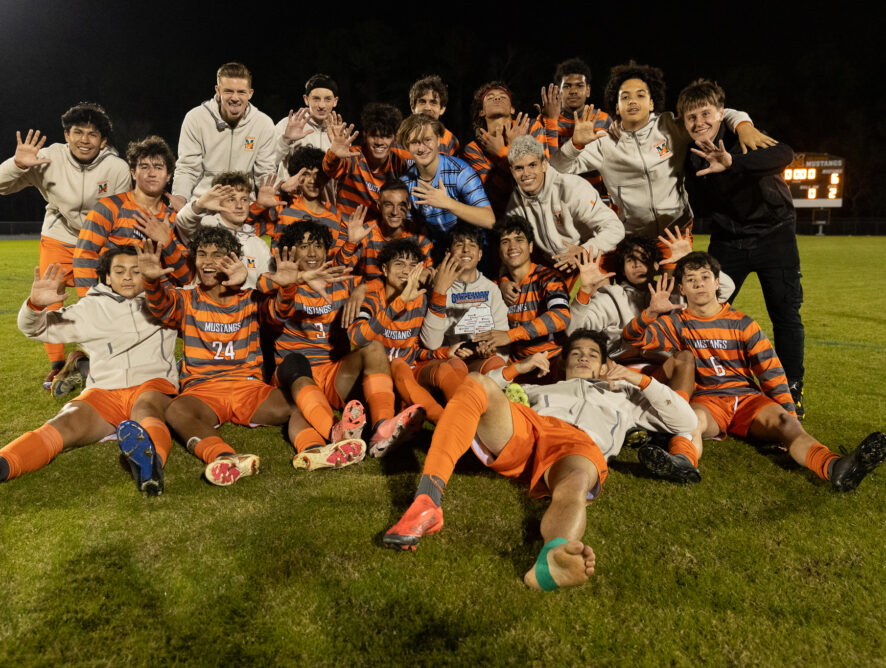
(13, 179)
(599, 314)
(597, 224)
(727, 287)
(187, 222)
(67, 325)
(734, 118)
(570, 160)
(434, 326)
(189, 166)
(667, 411)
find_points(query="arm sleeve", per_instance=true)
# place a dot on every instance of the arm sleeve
(733, 118)
(189, 166)
(596, 223)
(767, 368)
(572, 160)
(763, 161)
(92, 239)
(67, 325)
(555, 318)
(598, 312)
(187, 222)
(668, 412)
(13, 179)
(435, 324)
(165, 303)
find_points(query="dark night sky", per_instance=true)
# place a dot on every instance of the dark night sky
(813, 81)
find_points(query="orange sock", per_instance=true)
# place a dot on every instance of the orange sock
(32, 450)
(456, 429)
(680, 445)
(211, 447)
(818, 457)
(307, 438)
(55, 351)
(410, 389)
(314, 405)
(378, 388)
(159, 434)
(492, 363)
(448, 376)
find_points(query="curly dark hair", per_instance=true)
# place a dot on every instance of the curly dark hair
(651, 76)
(88, 113)
(104, 264)
(648, 250)
(294, 234)
(405, 248)
(511, 224)
(432, 83)
(696, 260)
(307, 157)
(572, 66)
(150, 147)
(597, 337)
(463, 230)
(215, 236)
(381, 120)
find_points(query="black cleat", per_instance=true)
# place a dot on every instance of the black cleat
(661, 464)
(796, 390)
(636, 437)
(849, 470)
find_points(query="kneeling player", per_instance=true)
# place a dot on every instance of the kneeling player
(131, 377)
(221, 370)
(560, 445)
(741, 388)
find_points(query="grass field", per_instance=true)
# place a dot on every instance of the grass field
(759, 564)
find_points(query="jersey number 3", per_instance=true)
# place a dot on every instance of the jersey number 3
(223, 351)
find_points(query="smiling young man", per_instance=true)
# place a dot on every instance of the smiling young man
(559, 444)
(741, 388)
(71, 177)
(443, 189)
(754, 222)
(429, 96)
(564, 210)
(132, 216)
(320, 98)
(223, 134)
(573, 76)
(132, 372)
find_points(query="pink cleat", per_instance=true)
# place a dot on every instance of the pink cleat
(393, 432)
(353, 419)
(422, 518)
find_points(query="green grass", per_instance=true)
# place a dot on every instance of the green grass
(759, 564)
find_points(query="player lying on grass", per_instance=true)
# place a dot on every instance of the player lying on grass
(316, 364)
(559, 444)
(131, 377)
(219, 325)
(741, 388)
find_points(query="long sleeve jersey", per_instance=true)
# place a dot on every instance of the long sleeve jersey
(396, 324)
(357, 182)
(540, 313)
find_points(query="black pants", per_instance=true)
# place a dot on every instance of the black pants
(778, 268)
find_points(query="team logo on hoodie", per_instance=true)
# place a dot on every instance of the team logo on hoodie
(102, 188)
(663, 150)
(249, 144)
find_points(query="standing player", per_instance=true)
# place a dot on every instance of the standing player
(741, 388)
(71, 177)
(574, 79)
(559, 444)
(429, 96)
(754, 222)
(225, 133)
(320, 98)
(141, 213)
(132, 372)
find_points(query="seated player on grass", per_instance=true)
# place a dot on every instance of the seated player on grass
(429, 96)
(539, 313)
(226, 205)
(131, 377)
(559, 443)
(443, 189)
(741, 388)
(321, 371)
(464, 303)
(219, 325)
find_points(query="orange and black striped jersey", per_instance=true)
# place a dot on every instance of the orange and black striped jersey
(111, 224)
(448, 143)
(396, 324)
(540, 316)
(566, 125)
(274, 220)
(221, 340)
(357, 183)
(732, 354)
(313, 328)
(363, 257)
(495, 172)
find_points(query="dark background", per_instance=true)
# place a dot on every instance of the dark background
(811, 76)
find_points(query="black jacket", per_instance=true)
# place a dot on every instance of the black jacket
(749, 203)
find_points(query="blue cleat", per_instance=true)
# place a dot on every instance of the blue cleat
(143, 460)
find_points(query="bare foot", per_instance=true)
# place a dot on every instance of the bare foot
(570, 564)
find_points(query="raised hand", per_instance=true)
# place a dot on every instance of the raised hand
(49, 288)
(293, 183)
(751, 138)
(679, 245)
(357, 231)
(341, 136)
(491, 142)
(584, 132)
(266, 197)
(351, 308)
(567, 261)
(438, 198)
(550, 101)
(177, 202)
(157, 229)
(212, 199)
(149, 264)
(538, 361)
(592, 276)
(660, 299)
(26, 151)
(519, 128)
(411, 290)
(718, 158)
(234, 269)
(509, 292)
(612, 371)
(296, 124)
(447, 273)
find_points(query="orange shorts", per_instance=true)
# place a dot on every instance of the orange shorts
(324, 375)
(733, 414)
(538, 443)
(231, 400)
(53, 251)
(114, 406)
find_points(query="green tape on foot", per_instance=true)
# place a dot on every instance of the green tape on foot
(542, 572)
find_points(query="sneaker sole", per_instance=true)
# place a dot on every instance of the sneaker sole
(224, 474)
(139, 452)
(353, 419)
(406, 427)
(869, 455)
(659, 464)
(332, 456)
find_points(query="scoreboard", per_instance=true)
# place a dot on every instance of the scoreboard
(816, 180)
